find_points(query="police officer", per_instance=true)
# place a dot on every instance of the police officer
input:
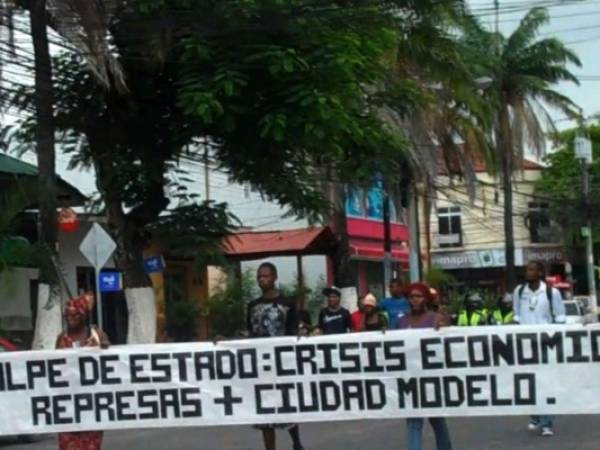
(503, 314)
(474, 313)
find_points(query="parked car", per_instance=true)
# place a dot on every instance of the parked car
(574, 312)
(585, 302)
(8, 346)
(587, 308)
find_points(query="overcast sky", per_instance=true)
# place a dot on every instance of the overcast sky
(577, 24)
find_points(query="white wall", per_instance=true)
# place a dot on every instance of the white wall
(15, 299)
(482, 220)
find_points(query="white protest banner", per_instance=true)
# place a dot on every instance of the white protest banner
(513, 370)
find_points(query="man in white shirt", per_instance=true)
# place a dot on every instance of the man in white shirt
(536, 303)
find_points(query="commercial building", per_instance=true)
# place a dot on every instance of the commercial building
(464, 234)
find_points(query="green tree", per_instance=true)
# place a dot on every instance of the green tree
(561, 186)
(286, 83)
(521, 71)
(84, 25)
(433, 102)
(226, 308)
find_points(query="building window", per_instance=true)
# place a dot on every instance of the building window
(355, 201)
(368, 204)
(539, 222)
(449, 227)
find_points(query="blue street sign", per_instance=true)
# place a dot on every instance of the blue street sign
(111, 281)
(154, 264)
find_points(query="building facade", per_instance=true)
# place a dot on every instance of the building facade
(465, 237)
(365, 227)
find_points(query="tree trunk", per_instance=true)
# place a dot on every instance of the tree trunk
(49, 319)
(341, 257)
(427, 225)
(128, 235)
(343, 274)
(507, 186)
(44, 129)
(139, 294)
(141, 302)
(505, 145)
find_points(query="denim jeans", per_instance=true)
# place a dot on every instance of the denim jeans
(415, 433)
(542, 421)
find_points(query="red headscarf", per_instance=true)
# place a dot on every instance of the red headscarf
(423, 289)
(81, 305)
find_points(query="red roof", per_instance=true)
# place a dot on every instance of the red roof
(263, 244)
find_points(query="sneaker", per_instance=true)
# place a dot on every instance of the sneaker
(547, 432)
(533, 426)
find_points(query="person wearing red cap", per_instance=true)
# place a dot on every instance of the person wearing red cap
(80, 334)
(421, 316)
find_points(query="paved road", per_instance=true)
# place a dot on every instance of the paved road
(573, 433)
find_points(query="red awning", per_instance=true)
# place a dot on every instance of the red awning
(264, 244)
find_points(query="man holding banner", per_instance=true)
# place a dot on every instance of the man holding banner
(536, 303)
(269, 316)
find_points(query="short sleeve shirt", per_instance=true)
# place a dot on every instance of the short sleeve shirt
(335, 322)
(428, 321)
(395, 309)
(533, 308)
(272, 317)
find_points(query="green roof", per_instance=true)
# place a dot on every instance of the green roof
(12, 168)
(15, 166)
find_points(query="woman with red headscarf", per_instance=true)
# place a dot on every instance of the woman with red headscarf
(80, 334)
(421, 316)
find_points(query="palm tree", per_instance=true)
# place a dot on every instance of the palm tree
(84, 27)
(449, 122)
(522, 71)
(431, 101)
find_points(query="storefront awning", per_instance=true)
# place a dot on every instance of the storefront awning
(265, 244)
(363, 249)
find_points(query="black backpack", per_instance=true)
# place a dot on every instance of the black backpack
(549, 296)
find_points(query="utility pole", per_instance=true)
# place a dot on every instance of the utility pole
(415, 245)
(387, 241)
(206, 160)
(497, 15)
(583, 152)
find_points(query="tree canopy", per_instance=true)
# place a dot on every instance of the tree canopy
(276, 89)
(561, 183)
(518, 75)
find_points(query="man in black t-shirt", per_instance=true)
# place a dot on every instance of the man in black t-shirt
(334, 319)
(273, 315)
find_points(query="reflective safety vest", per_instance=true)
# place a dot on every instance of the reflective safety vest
(499, 319)
(477, 318)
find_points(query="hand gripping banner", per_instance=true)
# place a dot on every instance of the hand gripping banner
(482, 371)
